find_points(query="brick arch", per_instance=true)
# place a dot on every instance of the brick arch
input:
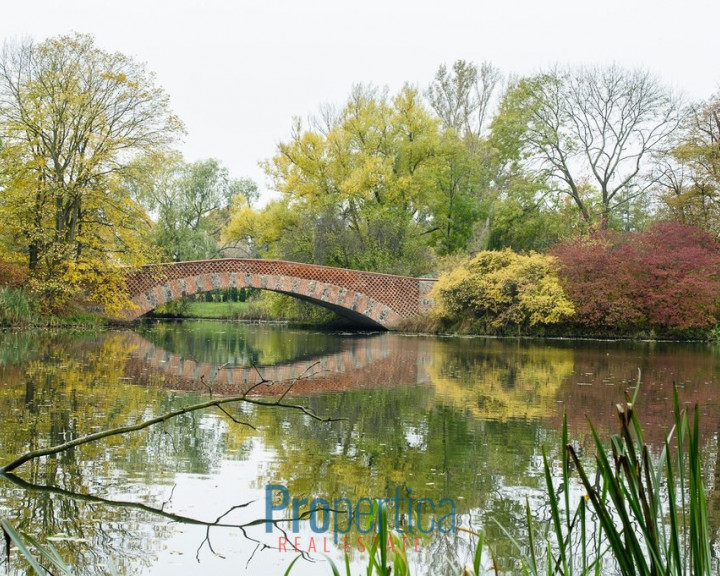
(369, 299)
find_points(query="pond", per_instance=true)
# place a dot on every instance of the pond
(418, 417)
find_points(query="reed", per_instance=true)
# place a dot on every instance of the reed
(639, 516)
(15, 308)
(47, 552)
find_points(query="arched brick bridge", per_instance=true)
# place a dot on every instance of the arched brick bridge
(369, 299)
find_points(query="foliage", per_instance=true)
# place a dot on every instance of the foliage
(363, 180)
(528, 217)
(267, 231)
(190, 200)
(173, 309)
(503, 290)
(282, 307)
(461, 196)
(12, 275)
(15, 308)
(370, 187)
(71, 116)
(667, 278)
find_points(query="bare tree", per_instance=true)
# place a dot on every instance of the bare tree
(689, 175)
(461, 97)
(591, 133)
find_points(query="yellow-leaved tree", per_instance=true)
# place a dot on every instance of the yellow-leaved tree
(357, 188)
(72, 117)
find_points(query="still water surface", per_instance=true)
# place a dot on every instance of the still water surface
(459, 418)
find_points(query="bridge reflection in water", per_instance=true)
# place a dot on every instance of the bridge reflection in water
(486, 379)
(362, 363)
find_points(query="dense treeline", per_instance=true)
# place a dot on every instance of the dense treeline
(567, 162)
(393, 181)
(584, 164)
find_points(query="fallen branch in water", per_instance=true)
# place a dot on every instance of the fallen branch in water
(213, 403)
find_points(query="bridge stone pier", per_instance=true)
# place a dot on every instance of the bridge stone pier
(370, 299)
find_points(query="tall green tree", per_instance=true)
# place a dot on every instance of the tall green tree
(71, 117)
(466, 176)
(461, 193)
(487, 197)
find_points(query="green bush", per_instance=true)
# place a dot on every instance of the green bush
(275, 306)
(174, 309)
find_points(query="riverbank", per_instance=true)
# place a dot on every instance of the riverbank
(474, 327)
(19, 311)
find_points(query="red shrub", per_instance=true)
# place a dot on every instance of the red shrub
(667, 277)
(12, 275)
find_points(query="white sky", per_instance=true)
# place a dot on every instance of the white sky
(237, 71)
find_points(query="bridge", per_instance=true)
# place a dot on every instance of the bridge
(372, 300)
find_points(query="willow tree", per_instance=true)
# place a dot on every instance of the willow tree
(71, 117)
(190, 201)
(358, 185)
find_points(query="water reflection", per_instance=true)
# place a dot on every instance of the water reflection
(454, 417)
(319, 362)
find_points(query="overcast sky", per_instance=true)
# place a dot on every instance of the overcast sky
(237, 71)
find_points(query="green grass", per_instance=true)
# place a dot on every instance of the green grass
(209, 310)
(225, 310)
(15, 307)
(21, 309)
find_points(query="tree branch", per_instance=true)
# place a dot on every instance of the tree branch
(216, 403)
